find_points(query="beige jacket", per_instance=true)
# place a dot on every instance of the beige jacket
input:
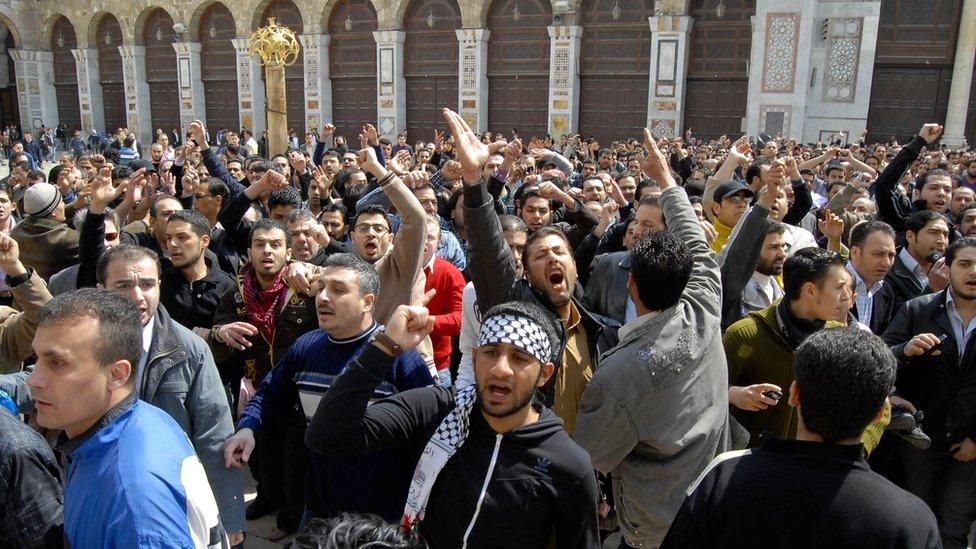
(17, 327)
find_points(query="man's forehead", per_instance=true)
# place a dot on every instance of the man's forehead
(301, 225)
(121, 269)
(268, 234)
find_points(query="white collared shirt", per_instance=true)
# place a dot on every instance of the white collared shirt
(914, 267)
(961, 333)
(865, 295)
(760, 292)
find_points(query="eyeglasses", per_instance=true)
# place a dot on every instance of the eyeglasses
(365, 228)
(110, 237)
(737, 198)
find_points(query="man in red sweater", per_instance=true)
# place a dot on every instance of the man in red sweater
(445, 306)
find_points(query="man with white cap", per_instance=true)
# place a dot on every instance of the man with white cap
(47, 244)
(494, 467)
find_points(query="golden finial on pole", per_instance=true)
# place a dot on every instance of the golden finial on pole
(278, 48)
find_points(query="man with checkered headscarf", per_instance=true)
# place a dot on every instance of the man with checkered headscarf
(494, 466)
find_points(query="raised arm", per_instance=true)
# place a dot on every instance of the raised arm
(894, 208)
(739, 155)
(705, 285)
(492, 269)
(30, 294)
(214, 166)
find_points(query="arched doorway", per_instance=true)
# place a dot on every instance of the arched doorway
(518, 66)
(352, 65)
(614, 65)
(912, 67)
(164, 94)
(717, 87)
(219, 68)
(9, 106)
(109, 37)
(63, 40)
(286, 14)
(430, 65)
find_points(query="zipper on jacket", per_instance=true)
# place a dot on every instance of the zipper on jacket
(484, 490)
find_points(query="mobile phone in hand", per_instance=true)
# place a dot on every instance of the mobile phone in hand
(773, 394)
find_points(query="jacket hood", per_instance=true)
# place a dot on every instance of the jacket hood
(548, 425)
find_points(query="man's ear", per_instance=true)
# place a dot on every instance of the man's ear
(205, 240)
(545, 373)
(118, 372)
(794, 400)
(369, 300)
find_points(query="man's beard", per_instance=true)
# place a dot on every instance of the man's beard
(520, 404)
(769, 269)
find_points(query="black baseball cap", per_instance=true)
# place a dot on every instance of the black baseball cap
(139, 164)
(730, 188)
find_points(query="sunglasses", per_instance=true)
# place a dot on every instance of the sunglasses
(110, 237)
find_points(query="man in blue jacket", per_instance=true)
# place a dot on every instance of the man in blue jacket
(133, 479)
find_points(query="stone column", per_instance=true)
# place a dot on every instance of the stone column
(138, 115)
(962, 77)
(473, 77)
(250, 91)
(318, 86)
(5, 77)
(89, 91)
(391, 86)
(564, 83)
(35, 88)
(193, 102)
(670, 41)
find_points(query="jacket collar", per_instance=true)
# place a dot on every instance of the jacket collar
(852, 454)
(900, 270)
(69, 446)
(165, 352)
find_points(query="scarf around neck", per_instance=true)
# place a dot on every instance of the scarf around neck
(263, 305)
(795, 330)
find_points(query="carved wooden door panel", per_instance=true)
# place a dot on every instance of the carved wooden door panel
(63, 40)
(430, 65)
(352, 66)
(219, 69)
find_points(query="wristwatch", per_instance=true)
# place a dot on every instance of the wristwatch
(386, 344)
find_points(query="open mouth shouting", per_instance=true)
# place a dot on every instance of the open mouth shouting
(556, 278)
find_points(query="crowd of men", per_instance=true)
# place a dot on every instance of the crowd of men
(480, 341)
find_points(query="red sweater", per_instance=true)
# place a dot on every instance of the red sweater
(446, 306)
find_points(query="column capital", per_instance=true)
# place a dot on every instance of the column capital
(31, 55)
(565, 31)
(242, 45)
(670, 23)
(319, 39)
(472, 35)
(186, 48)
(389, 36)
(132, 51)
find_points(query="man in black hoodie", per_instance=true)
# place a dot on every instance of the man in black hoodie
(493, 467)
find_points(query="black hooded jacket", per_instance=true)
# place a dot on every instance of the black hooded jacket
(518, 489)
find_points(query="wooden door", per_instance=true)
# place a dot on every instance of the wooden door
(109, 36)
(161, 71)
(286, 14)
(352, 66)
(63, 40)
(518, 67)
(430, 65)
(614, 65)
(219, 69)
(716, 90)
(912, 67)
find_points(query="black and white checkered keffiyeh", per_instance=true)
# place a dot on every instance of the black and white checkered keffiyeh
(447, 439)
(520, 331)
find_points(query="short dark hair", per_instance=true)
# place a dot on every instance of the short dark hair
(369, 280)
(960, 243)
(160, 198)
(862, 231)
(808, 265)
(754, 171)
(661, 266)
(844, 376)
(776, 227)
(121, 172)
(197, 222)
(5, 188)
(918, 220)
(348, 531)
(643, 184)
(285, 196)
(548, 230)
(217, 187)
(832, 167)
(119, 328)
(267, 224)
(923, 178)
(512, 223)
(130, 253)
(550, 323)
(374, 209)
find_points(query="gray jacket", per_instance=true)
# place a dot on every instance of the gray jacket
(181, 378)
(606, 290)
(656, 411)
